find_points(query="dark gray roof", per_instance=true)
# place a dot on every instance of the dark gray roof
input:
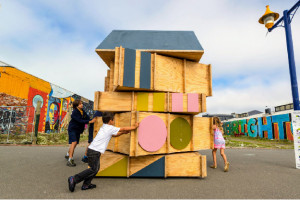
(254, 112)
(151, 39)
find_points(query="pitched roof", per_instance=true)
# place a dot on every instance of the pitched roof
(159, 40)
(181, 44)
(3, 64)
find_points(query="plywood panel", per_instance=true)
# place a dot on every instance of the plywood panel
(183, 164)
(138, 163)
(168, 74)
(113, 101)
(203, 135)
(198, 78)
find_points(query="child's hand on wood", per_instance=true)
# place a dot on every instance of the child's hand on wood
(137, 125)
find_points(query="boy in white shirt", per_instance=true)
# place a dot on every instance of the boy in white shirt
(96, 148)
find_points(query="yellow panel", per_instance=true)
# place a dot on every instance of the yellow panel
(17, 83)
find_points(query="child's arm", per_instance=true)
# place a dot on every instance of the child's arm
(125, 130)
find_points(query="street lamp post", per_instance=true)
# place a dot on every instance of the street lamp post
(268, 19)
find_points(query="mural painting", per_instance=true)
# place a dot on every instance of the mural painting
(271, 127)
(18, 88)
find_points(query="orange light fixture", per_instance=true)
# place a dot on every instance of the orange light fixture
(268, 18)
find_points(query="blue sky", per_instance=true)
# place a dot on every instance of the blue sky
(56, 40)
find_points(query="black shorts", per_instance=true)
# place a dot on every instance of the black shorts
(74, 137)
(90, 137)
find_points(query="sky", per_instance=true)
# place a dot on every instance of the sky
(55, 40)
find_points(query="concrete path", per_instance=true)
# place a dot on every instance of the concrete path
(40, 172)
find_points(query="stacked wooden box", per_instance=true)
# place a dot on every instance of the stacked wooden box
(163, 94)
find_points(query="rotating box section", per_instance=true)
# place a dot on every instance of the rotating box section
(191, 103)
(134, 70)
(189, 164)
(160, 133)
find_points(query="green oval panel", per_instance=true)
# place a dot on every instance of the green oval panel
(180, 133)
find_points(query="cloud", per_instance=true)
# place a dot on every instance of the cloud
(56, 40)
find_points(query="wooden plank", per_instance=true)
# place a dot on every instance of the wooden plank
(111, 77)
(123, 141)
(202, 133)
(193, 135)
(184, 75)
(116, 78)
(210, 82)
(137, 69)
(203, 103)
(114, 101)
(96, 100)
(203, 168)
(183, 164)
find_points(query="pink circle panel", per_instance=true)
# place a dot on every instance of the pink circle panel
(152, 133)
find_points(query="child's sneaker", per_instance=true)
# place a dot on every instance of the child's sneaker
(71, 163)
(84, 159)
(72, 183)
(87, 187)
(226, 168)
(67, 157)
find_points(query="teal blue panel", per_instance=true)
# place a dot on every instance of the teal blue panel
(252, 127)
(145, 71)
(265, 127)
(129, 68)
(155, 169)
(280, 119)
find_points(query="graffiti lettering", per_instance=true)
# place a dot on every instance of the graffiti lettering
(271, 127)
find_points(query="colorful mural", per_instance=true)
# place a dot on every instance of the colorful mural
(272, 127)
(22, 89)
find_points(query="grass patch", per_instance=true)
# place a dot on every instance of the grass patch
(42, 139)
(249, 142)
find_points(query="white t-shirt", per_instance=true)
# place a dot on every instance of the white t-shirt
(103, 137)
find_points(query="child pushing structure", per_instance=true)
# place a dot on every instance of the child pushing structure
(96, 148)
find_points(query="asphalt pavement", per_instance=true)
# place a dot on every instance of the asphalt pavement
(30, 172)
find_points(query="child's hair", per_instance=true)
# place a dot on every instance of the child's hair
(217, 122)
(107, 116)
(76, 103)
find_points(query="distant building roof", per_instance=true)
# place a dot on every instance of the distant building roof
(181, 44)
(254, 112)
(3, 64)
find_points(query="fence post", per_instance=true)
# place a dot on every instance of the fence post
(37, 120)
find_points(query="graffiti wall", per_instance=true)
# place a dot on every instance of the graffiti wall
(18, 88)
(271, 127)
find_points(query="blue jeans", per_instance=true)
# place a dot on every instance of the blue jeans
(87, 175)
